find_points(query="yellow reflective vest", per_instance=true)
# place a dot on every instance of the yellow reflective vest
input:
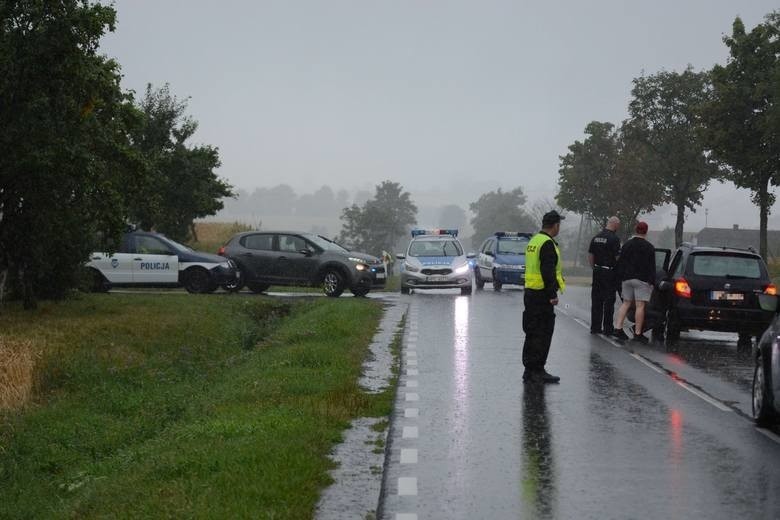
(533, 263)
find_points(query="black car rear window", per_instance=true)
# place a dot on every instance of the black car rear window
(727, 266)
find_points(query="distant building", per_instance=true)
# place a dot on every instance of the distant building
(740, 238)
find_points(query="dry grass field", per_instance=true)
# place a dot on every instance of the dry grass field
(17, 372)
(213, 235)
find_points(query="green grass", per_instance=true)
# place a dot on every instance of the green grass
(184, 406)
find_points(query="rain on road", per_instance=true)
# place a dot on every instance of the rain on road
(632, 431)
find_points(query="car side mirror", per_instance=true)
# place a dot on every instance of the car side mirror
(305, 252)
(400, 256)
(768, 302)
(471, 255)
(489, 253)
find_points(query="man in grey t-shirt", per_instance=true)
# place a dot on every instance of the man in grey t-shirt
(636, 267)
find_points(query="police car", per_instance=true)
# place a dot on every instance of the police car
(501, 259)
(435, 260)
(154, 260)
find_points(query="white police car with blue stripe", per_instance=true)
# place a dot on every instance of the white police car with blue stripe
(435, 260)
(147, 259)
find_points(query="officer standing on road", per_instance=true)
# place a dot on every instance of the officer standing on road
(543, 280)
(602, 255)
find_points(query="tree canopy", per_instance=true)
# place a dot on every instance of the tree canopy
(67, 163)
(500, 211)
(381, 222)
(743, 117)
(607, 174)
(185, 185)
(665, 117)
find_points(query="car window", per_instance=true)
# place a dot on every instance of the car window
(291, 243)
(512, 246)
(261, 242)
(726, 266)
(151, 246)
(435, 248)
(676, 267)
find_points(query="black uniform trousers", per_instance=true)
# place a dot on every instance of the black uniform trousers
(602, 300)
(538, 325)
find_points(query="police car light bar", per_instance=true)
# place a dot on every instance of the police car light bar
(419, 232)
(510, 234)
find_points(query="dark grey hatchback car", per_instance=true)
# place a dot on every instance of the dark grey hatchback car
(268, 258)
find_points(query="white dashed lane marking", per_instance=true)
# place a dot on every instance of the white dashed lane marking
(407, 486)
(408, 456)
(410, 432)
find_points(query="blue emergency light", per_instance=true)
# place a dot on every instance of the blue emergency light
(420, 232)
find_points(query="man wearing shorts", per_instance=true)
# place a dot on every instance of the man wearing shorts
(636, 268)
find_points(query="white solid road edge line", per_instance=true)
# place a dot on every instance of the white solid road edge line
(769, 434)
(698, 393)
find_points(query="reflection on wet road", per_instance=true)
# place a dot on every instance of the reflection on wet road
(618, 438)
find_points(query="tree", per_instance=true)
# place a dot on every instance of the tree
(500, 211)
(381, 222)
(452, 216)
(186, 186)
(743, 118)
(665, 116)
(67, 162)
(607, 174)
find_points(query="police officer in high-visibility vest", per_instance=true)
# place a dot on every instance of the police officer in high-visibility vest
(543, 280)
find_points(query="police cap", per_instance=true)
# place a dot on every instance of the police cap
(551, 218)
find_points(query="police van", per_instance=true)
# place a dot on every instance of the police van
(501, 259)
(147, 259)
(435, 259)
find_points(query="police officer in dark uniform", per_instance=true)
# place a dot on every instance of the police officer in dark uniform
(543, 280)
(602, 254)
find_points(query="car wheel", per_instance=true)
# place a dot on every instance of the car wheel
(257, 287)
(658, 332)
(360, 290)
(404, 290)
(478, 279)
(234, 286)
(98, 282)
(745, 341)
(672, 327)
(198, 281)
(496, 284)
(465, 291)
(332, 283)
(763, 408)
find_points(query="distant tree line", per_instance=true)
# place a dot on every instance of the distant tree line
(684, 130)
(79, 157)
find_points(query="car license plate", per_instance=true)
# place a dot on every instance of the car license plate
(380, 276)
(727, 296)
(437, 278)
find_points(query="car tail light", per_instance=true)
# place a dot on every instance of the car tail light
(681, 288)
(221, 251)
(771, 289)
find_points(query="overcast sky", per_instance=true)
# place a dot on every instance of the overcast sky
(429, 93)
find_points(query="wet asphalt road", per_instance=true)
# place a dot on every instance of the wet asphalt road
(632, 431)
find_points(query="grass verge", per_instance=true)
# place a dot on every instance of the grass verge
(203, 407)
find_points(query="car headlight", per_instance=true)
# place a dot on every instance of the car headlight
(411, 268)
(225, 265)
(462, 269)
(361, 267)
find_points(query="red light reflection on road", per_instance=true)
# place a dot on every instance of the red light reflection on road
(675, 429)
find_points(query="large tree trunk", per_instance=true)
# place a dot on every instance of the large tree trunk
(763, 204)
(679, 225)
